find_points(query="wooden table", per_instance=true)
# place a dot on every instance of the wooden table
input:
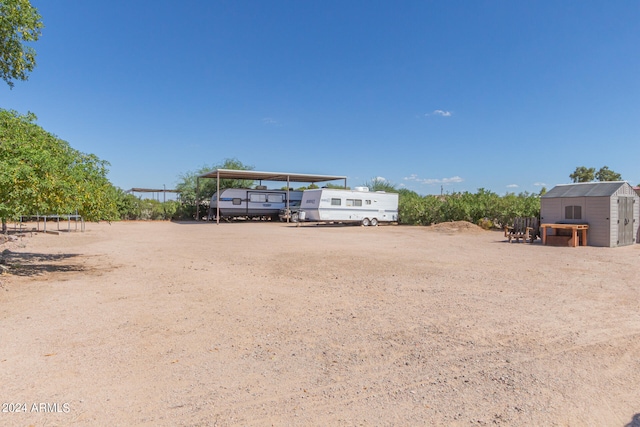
(574, 232)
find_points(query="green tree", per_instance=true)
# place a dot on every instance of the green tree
(126, 204)
(605, 174)
(131, 207)
(20, 24)
(583, 174)
(186, 185)
(337, 186)
(380, 184)
(411, 207)
(484, 207)
(311, 186)
(40, 173)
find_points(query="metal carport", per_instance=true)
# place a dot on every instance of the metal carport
(287, 177)
(155, 191)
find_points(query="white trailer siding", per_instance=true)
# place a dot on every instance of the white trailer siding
(242, 202)
(335, 205)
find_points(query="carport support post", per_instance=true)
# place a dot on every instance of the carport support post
(288, 211)
(218, 196)
(198, 198)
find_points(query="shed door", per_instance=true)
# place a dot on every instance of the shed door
(625, 221)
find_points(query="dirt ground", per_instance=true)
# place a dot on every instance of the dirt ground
(170, 324)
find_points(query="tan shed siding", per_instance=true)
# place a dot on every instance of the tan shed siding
(636, 219)
(597, 216)
(613, 239)
(625, 191)
(573, 201)
(550, 210)
(599, 211)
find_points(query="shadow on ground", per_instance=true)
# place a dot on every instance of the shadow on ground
(635, 421)
(225, 221)
(33, 264)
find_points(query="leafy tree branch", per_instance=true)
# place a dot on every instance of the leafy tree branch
(40, 173)
(20, 24)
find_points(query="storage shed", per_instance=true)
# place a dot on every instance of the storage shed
(611, 209)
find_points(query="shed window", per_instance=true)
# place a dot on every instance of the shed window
(335, 202)
(573, 212)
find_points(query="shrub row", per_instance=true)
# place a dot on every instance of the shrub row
(484, 208)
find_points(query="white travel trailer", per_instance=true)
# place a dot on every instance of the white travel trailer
(251, 203)
(357, 206)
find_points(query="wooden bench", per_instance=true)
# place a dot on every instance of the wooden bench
(571, 239)
(525, 228)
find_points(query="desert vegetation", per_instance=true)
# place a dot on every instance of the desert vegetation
(484, 207)
(41, 173)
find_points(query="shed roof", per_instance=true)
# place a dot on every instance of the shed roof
(585, 189)
(269, 176)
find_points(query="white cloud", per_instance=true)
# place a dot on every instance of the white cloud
(379, 178)
(512, 186)
(441, 113)
(269, 121)
(452, 180)
(433, 181)
(539, 184)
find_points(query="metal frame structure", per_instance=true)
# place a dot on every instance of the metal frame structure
(287, 177)
(153, 190)
(57, 217)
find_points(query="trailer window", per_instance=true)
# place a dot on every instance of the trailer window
(354, 202)
(367, 202)
(275, 198)
(236, 201)
(336, 202)
(573, 212)
(258, 198)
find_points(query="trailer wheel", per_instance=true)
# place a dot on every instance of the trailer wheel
(366, 222)
(374, 222)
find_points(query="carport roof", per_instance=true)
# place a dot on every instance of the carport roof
(269, 176)
(151, 190)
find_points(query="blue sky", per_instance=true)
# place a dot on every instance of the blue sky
(458, 95)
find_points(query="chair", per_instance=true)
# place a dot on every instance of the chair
(525, 228)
